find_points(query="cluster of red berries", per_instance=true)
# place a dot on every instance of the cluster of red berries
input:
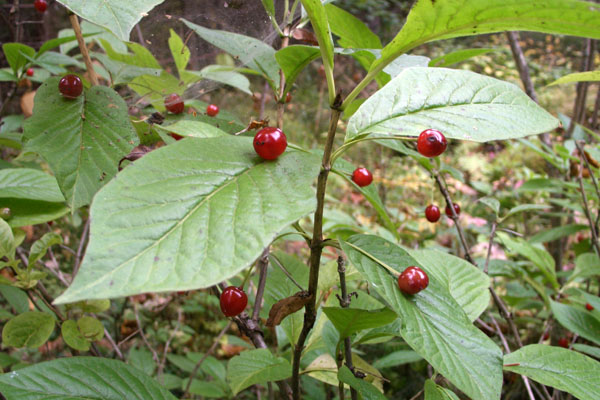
(40, 5)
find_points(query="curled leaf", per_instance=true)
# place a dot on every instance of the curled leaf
(287, 306)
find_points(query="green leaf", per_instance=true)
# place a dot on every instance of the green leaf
(467, 284)
(30, 329)
(82, 378)
(211, 390)
(179, 51)
(462, 104)
(7, 76)
(492, 203)
(31, 184)
(578, 321)
(15, 297)
(457, 56)
(190, 215)
(324, 368)
(15, 55)
(53, 43)
(73, 337)
(584, 348)
(560, 368)
(122, 73)
(352, 31)
(82, 139)
(396, 358)
(538, 256)
(293, 59)
(433, 324)
(524, 208)
(269, 7)
(142, 360)
(557, 233)
(7, 240)
(586, 265)
(190, 128)
(249, 51)
(364, 388)
(32, 212)
(225, 75)
(350, 320)
(436, 392)
(115, 15)
(256, 366)
(141, 57)
(41, 246)
(91, 328)
(318, 19)
(156, 88)
(431, 20)
(589, 76)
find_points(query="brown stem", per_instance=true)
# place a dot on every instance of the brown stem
(585, 160)
(263, 265)
(586, 209)
(281, 101)
(204, 357)
(490, 243)
(594, 124)
(84, 236)
(345, 303)
(579, 108)
(517, 51)
(83, 49)
(139, 325)
(316, 248)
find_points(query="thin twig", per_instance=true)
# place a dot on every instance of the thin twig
(586, 210)
(345, 303)
(84, 236)
(416, 396)
(490, 244)
(263, 265)
(113, 344)
(139, 324)
(161, 366)
(286, 272)
(83, 49)
(580, 100)
(204, 357)
(281, 101)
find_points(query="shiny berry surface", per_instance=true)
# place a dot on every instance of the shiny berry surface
(40, 5)
(29, 72)
(563, 342)
(589, 307)
(233, 301)
(431, 143)
(70, 86)
(270, 143)
(212, 110)
(449, 212)
(174, 103)
(413, 280)
(362, 177)
(288, 97)
(432, 213)
(176, 136)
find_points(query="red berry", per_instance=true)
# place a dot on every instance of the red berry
(288, 97)
(449, 212)
(431, 143)
(432, 213)
(563, 342)
(176, 136)
(29, 72)
(40, 5)
(70, 86)
(546, 336)
(362, 177)
(270, 143)
(413, 280)
(174, 103)
(589, 307)
(212, 110)
(233, 301)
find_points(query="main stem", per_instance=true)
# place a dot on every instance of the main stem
(83, 49)
(316, 248)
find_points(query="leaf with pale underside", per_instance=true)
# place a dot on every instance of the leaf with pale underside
(118, 16)
(461, 104)
(190, 215)
(82, 139)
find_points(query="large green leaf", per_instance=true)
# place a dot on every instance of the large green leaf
(318, 19)
(560, 368)
(30, 329)
(32, 212)
(256, 366)
(444, 19)
(586, 265)
(223, 74)
(190, 215)
(457, 56)
(249, 51)
(32, 184)
(466, 283)
(433, 323)
(191, 128)
(116, 15)
(91, 378)
(7, 240)
(589, 76)
(350, 320)
(436, 392)
(351, 30)
(82, 139)
(396, 358)
(576, 320)
(16, 55)
(293, 59)
(366, 390)
(461, 104)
